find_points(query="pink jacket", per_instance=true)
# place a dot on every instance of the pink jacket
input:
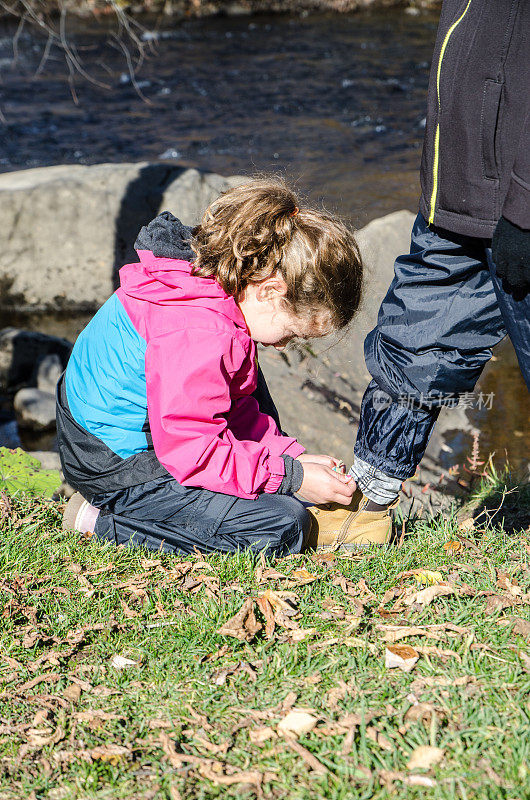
(200, 372)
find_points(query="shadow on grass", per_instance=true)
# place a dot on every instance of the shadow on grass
(501, 498)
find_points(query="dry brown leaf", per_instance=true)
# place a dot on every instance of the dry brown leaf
(288, 702)
(48, 677)
(159, 723)
(375, 736)
(211, 747)
(252, 777)
(268, 613)
(72, 692)
(40, 737)
(243, 625)
(393, 633)
(505, 583)
(453, 546)
(178, 759)
(112, 753)
(96, 714)
(261, 734)
(497, 602)
(425, 757)
(441, 680)
(426, 596)
(296, 723)
(387, 778)
(299, 634)
(520, 626)
(301, 577)
(308, 757)
(401, 656)
(431, 650)
(420, 711)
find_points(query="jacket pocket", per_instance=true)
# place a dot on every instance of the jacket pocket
(491, 101)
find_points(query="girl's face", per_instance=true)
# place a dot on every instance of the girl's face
(270, 321)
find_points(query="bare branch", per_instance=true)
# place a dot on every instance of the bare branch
(127, 39)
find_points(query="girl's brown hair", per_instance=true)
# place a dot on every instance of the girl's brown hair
(259, 228)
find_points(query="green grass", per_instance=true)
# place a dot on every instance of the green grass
(206, 695)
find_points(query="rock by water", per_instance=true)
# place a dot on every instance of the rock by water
(67, 229)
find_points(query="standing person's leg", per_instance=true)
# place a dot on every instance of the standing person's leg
(163, 515)
(434, 335)
(515, 310)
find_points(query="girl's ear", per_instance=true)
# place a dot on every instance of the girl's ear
(271, 288)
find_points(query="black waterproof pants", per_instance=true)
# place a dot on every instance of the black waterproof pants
(444, 311)
(163, 515)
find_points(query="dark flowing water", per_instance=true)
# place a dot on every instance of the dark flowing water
(334, 102)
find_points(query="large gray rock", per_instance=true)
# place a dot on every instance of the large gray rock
(23, 352)
(65, 230)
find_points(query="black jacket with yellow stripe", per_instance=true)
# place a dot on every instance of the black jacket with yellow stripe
(476, 152)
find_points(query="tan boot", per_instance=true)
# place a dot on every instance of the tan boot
(336, 527)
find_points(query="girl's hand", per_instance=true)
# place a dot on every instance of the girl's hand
(322, 484)
(327, 461)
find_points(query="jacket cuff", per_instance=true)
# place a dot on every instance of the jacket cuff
(294, 475)
(294, 450)
(276, 466)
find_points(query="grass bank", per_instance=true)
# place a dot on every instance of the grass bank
(116, 682)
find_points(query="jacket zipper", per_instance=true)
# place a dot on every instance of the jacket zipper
(437, 133)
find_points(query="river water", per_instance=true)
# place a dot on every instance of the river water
(336, 103)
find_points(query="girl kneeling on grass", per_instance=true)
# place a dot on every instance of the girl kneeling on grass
(164, 422)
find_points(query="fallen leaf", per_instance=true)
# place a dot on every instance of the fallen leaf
(252, 777)
(302, 577)
(40, 737)
(387, 778)
(426, 596)
(431, 650)
(121, 662)
(72, 692)
(308, 757)
(497, 602)
(261, 734)
(159, 723)
(401, 656)
(268, 613)
(425, 757)
(211, 747)
(425, 577)
(243, 625)
(112, 753)
(296, 723)
(504, 582)
(420, 711)
(47, 677)
(520, 626)
(442, 680)
(375, 736)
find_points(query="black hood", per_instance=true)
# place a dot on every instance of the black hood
(166, 237)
